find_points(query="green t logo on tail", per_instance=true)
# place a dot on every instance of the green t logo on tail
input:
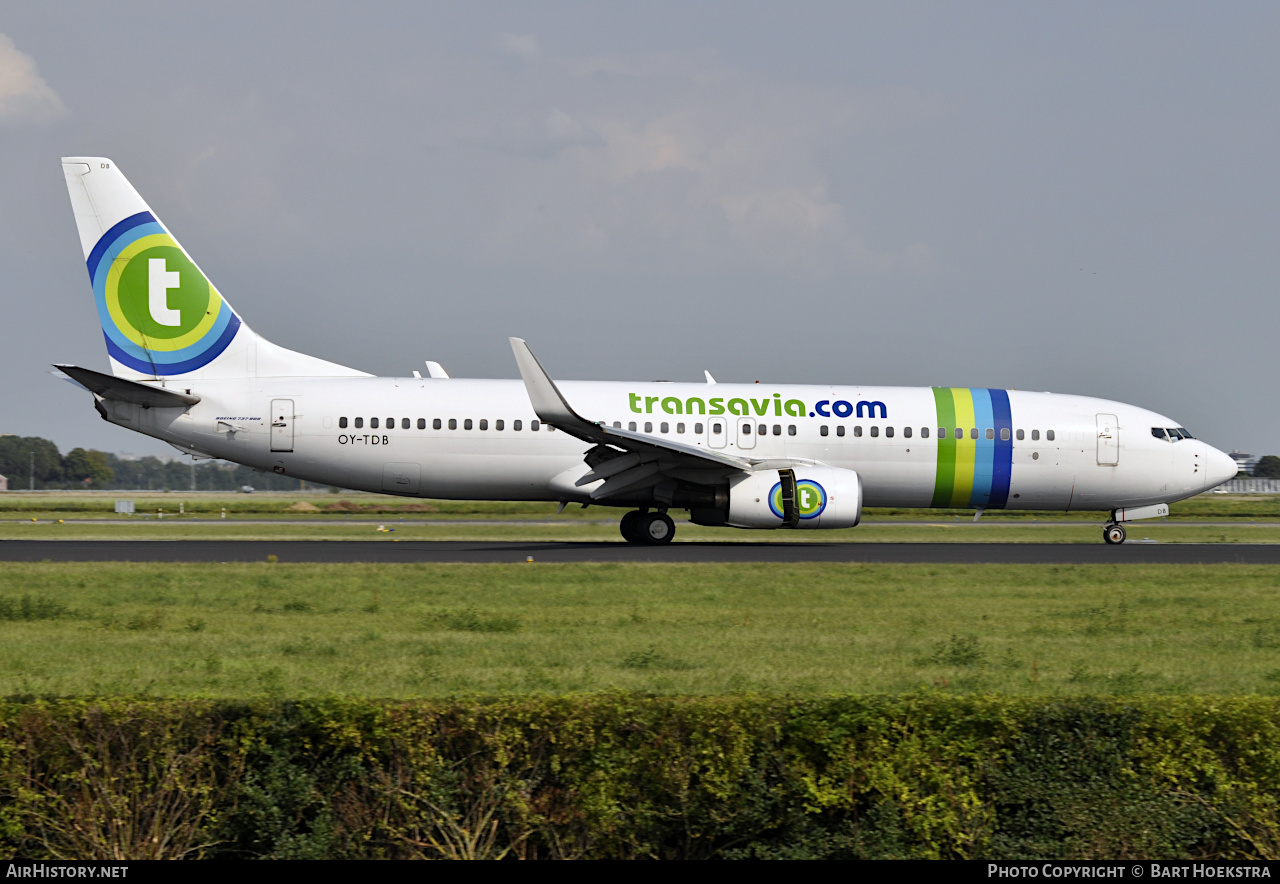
(162, 294)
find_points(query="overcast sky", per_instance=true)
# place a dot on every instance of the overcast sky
(1072, 197)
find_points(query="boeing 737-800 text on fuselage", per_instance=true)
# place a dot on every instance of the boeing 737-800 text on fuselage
(186, 369)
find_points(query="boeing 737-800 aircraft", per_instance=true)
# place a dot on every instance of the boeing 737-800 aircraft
(185, 368)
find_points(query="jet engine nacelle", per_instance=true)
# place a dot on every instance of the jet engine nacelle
(803, 497)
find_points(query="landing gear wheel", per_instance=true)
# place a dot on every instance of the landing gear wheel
(655, 529)
(628, 527)
(1113, 534)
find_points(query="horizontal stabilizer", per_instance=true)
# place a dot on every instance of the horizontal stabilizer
(122, 390)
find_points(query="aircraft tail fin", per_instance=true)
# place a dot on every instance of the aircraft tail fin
(159, 313)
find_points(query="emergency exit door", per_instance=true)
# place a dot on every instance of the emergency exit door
(1108, 440)
(282, 425)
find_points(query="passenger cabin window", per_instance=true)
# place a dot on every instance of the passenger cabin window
(517, 426)
(391, 423)
(1048, 435)
(991, 433)
(499, 424)
(840, 430)
(822, 430)
(466, 424)
(715, 428)
(359, 422)
(435, 424)
(422, 423)
(791, 429)
(664, 427)
(617, 425)
(942, 432)
(453, 423)
(632, 427)
(959, 432)
(484, 424)
(777, 429)
(679, 428)
(697, 428)
(533, 426)
(342, 423)
(404, 423)
(648, 426)
(1035, 435)
(857, 431)
(373, 423)
(764, 430)
(973, 432)
(906, 432)
(924, 432)
(1022, 434)
(1004, 434)
(888, 432)
(746, 428)
(875, 431)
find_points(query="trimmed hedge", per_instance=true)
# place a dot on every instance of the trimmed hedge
(621, 776)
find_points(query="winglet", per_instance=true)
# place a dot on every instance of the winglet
(548, 402)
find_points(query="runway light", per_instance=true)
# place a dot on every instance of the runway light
(529, 559)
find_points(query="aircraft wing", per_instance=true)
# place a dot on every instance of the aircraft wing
(626, 460)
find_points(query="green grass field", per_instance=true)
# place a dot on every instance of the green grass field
(429, 630)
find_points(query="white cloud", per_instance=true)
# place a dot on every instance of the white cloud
(708, 159)
(523, 46)
(24, 95)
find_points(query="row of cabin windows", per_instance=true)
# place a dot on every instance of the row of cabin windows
(716, 428)
(467, 424)
(824, 430)
(988, 433)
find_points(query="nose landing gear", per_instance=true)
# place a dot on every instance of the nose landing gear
(1113, 533)
(646, 528)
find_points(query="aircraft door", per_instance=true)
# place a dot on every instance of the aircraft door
(746, 433)
(717, 432)
(1108, 440)
(282, 424)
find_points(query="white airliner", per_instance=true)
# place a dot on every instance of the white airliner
(186, 369)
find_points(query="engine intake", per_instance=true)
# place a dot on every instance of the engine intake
(804, 497)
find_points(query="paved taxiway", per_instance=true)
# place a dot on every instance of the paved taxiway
(509, 551)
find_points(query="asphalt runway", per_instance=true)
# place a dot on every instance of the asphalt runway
(388, 551)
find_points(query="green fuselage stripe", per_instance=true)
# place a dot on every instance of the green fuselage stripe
(944, 483)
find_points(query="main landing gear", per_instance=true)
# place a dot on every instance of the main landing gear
(646, 528)
(1113, 533)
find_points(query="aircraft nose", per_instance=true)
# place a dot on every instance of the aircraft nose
(1219, 467)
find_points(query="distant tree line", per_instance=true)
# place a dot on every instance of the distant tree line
(21, 457)
(1267, 467)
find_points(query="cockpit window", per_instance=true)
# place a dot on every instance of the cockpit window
(1171, 434)
(1158, 432)
(1182, 431)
